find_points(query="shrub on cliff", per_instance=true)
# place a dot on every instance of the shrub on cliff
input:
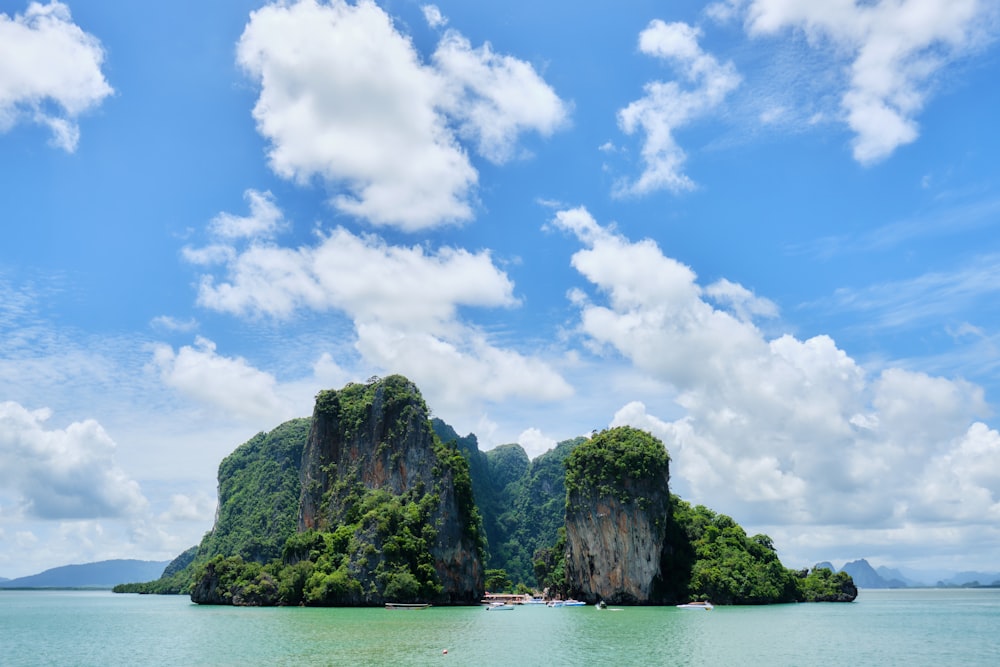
(615, 462)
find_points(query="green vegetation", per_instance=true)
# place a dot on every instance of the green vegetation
(823, 585)
(727, 567)
(258, 495)
(371, 544)
(613, 461)
(535, 512)
(522, 502)
(345, 566)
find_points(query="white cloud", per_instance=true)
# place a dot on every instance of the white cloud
(404, 305)
(50, 73)
(744, 303)
(779, 431)
(494, 97)
(535, 443)
(198, 507)
(66, 473)
(345, 97)
(264, 221)
(406, 286)
(168, 323)
(230, 384)
(896, 49)
(667, 107)
(457, 371)
(433, 16)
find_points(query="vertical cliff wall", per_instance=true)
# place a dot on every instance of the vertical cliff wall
(617, 511)
(377, 437)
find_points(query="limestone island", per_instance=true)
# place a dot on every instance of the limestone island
(371, 502)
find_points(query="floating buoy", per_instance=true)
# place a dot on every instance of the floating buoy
(444, 652)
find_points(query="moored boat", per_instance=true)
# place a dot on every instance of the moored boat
(706, 606)
(499, 606)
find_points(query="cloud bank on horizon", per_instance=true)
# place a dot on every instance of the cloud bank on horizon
(703, 225)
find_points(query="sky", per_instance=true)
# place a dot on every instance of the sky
(766, 231)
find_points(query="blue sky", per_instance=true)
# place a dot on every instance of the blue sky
(764, 230)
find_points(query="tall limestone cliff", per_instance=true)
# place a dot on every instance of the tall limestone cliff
(617, 512)
(377, 438)
(381, 511)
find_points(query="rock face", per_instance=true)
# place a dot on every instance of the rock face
(618, 504)
(377, 437)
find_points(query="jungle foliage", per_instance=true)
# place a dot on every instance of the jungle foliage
(383, 552)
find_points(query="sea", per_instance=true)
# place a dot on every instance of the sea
(911, 627)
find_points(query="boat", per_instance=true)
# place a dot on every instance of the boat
(706, 606)
(407, 607)
(574, 603)
(602, 606)
(499, 606)
(554, 603)
(532, 600)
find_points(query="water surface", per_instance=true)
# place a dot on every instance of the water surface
(901, 627)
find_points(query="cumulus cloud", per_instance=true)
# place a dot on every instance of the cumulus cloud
(667, 106)
(66, 473)
(50, 72)
(495, 98)
(228, 383)
(346, 98)
(402, 285)
(535, 443)
(895, 49)
(404, 304)
(780, 430)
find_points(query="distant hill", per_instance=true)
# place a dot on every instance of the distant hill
(865, 576)
(972, 578)
(104, 574)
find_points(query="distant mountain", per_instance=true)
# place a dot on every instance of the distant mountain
(865, 576)
(895, 578)
(972, 578)
(104, 574)
(2, 579)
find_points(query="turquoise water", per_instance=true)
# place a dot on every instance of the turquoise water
(904, 627)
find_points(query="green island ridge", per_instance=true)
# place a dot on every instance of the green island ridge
(372, 501)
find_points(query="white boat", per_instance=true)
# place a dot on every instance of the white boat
(574, 603)
(705, 606)
(499, 606)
